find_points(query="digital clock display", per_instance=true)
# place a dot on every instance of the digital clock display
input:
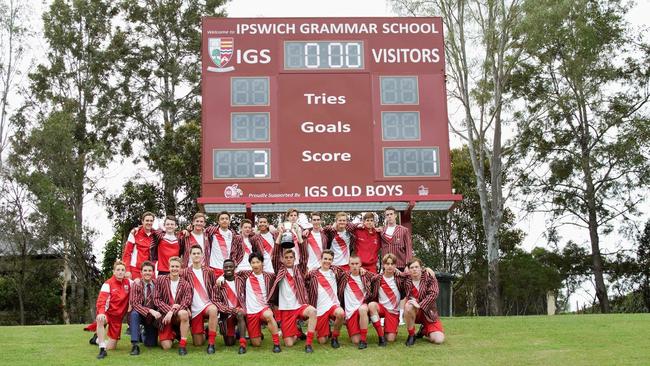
(323, 55)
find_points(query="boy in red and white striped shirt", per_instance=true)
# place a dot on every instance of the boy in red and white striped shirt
(252, 289)
(391, 287)
(167, 244)
(227, 302)
(202, 280)
(421, 305)
(173, 297)
(356, 293)
(323, 292)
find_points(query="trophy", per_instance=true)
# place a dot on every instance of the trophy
(286, 238)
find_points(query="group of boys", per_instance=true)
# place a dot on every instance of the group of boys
(324, 276)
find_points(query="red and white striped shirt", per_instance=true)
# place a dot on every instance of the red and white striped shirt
(353, 295)
(255, 293)
(327, 291)
(389, 295)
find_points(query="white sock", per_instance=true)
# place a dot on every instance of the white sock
(102, 345)
(374, 318)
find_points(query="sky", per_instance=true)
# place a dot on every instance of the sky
(112, 178)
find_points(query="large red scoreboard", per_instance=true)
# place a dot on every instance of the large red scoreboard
(324, 113)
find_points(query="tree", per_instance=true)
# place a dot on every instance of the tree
(584, 82)
(13, 32)
(481, 50)
(72, 126)
(163, 70)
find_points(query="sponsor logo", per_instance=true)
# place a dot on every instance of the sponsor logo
(221, 50)
(423, 191)
(233, 191)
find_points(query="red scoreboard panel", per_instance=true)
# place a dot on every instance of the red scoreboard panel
(324, 110)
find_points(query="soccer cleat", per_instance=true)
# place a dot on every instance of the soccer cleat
(382, 341)
(363, 345)
(182, 351)
(309, 349)
(242, 350)
(276, 348)
(420, 332)
(335, 343)
(210, 349)
(102, 354)
(410, 341)
(93, 340)
(135, 350)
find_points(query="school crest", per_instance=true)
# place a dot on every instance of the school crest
(220, 50)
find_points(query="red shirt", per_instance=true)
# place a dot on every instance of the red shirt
(113, 298)
(167, 248)
(367, 246)
(137, 250)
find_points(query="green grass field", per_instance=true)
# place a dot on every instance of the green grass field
(620, 339)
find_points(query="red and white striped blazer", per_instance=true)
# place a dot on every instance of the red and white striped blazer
(368, 286)
(400, 245)
(188, 242)
(258, 241)
(428, 293)
(209, 279)
(163, 295)
(236, 248)
(312, 284)
(330, 231)
(240, 284)
(401, 280)
(220, 299)
(299, 280)
(137, 299)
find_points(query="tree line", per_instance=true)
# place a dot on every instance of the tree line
(551, 107)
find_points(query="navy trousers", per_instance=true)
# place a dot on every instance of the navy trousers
(150, 335)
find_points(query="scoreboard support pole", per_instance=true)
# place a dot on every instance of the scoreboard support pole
(405, 216)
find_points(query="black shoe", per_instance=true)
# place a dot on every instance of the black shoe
(410, 341)
(276, 348)
(182, 351)
(102, 354)
(309, 349)
(242, 350)
(135, 350)
(382, 341)
(93, 340)
(335, 343)
(211, 349)
(420, 332)
(363, 345)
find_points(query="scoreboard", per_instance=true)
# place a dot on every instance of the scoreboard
(324, 110)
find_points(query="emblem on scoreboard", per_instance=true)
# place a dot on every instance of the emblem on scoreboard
(221, 50)
(423, 190)
(233, 191)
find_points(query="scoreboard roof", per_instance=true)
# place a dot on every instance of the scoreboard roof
(324, 113)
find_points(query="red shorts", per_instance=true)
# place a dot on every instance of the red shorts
(429, 327)
(289, 318)
(217, 272)
(254, 323)
(353, 324)
(135, 272)
(168, 333)
(391, 321)
(114, 327)
(323, 322)
(370, 267)
(196, 324)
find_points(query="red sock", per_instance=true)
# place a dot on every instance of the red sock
(364, 334)
(183, 342)
(412, 331)
(378, 328)
(211, 336)
(335, 334)
(276, 339)
(310, 338)
(242, 342)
